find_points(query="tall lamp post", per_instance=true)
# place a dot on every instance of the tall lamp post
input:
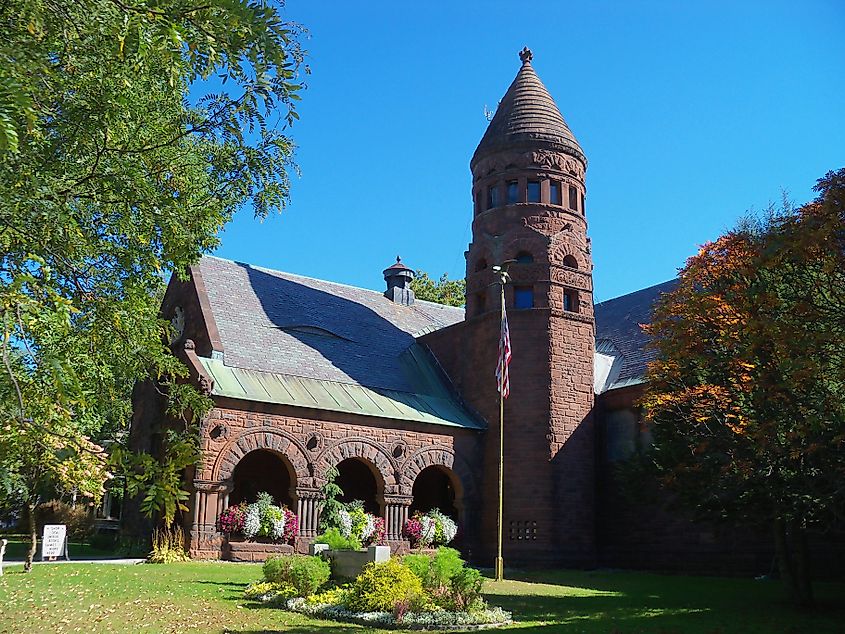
(503, 388)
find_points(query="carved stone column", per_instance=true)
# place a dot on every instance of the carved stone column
(395, 514)
(209, 501)
(308, 510)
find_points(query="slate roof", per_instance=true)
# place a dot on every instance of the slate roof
(288, 324)
(527, 112)
(618, 332)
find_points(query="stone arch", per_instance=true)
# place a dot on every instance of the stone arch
(438, 457)
(571, 261)
(265, 438)
(364, 449)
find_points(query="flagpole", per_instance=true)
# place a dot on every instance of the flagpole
(500, 562)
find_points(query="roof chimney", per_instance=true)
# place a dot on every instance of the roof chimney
(398, 278)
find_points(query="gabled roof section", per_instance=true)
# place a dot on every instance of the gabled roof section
(279, 329)
(527, 113)
(620, 337)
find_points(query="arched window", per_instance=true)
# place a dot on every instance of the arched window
(480, 265)
(523, 257)
(570, 261)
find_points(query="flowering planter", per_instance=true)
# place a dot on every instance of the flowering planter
(259, 550)
(348, 564)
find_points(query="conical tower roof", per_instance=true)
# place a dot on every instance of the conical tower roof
(527, 116)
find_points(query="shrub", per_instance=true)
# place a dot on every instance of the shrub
(465, 591)
(384, 585)
(332, 596)
(268, 590)
(78, 519)
(435, 572)
(305, 574)
(168, 546)
(448, 581)
(336, 541)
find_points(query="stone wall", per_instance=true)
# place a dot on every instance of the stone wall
(310, 442)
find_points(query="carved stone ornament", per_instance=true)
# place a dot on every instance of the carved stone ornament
(206, 385)
(177, 322)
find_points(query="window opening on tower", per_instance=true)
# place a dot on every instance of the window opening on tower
(513, 192)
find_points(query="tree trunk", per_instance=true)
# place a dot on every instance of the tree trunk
(793, 562)
(802, 566)
(787, 573)
(33, 536)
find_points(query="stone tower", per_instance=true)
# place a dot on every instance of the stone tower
(528, 193)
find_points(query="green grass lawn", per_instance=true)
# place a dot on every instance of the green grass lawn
(206, 597)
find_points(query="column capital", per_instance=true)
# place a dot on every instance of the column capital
(212, 486)
(309, 494)
(398, 500)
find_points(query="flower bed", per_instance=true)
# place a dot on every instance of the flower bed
(434, 620)
(422, 592)
(430, 529)
(260, 519)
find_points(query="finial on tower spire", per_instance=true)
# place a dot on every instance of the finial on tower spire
(526, 55)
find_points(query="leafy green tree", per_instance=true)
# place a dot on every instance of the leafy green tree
(442, 291)
(112, 175)
(746, 401)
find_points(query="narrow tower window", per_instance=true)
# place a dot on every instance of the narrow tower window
(513, 192)
(493, 197)
(480, 303)
(583, 206)
(533, 191)
(570, 300)
(573, 198)
(554, 193)
(523, 297)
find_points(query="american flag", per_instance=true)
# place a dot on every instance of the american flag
(502, 382)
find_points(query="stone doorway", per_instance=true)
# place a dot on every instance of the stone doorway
(358, 482)
(434, 488)
(263, 470)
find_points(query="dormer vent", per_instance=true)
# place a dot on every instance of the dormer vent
(398, 278)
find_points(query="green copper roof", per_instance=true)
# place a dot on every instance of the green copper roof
(429, 403)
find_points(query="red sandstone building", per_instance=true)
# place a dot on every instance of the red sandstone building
(400, 395)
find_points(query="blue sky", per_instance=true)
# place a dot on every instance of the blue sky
(690, 115)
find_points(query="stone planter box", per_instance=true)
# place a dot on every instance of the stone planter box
(234, 550)
(348, 564)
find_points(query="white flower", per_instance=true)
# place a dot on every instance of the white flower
(278, 530)
(369, 528)
(345, 522)
(428, 527)
(450, 529)
(252, 522)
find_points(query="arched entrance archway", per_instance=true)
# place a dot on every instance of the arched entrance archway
(434, 488)
(263, 470)
(358, 482)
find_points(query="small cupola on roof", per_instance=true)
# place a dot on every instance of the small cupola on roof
(398, 278)
(527, 117)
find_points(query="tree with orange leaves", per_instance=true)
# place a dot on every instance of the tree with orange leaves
(746, 400)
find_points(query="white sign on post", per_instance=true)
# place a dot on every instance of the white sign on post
(54, 541)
